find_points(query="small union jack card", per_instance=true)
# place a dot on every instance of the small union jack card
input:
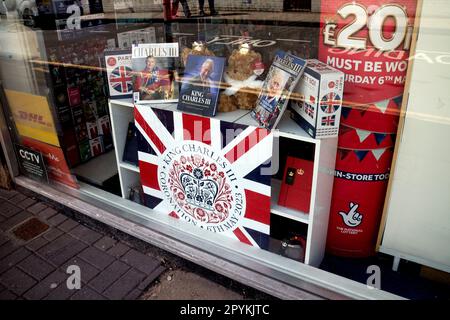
(119, 73)
(321, 87)
(209, 173)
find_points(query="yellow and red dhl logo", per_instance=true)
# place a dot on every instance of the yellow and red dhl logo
(33, 117)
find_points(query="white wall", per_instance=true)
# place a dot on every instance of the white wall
(418, 212)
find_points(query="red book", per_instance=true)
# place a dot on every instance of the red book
(74, 96)
(296, 186)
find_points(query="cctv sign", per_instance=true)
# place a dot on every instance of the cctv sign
(31, 163)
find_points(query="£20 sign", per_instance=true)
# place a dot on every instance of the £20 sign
(386, 27)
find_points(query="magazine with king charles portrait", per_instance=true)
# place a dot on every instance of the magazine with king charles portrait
(154, 72)
(281, 80)
(201, 85)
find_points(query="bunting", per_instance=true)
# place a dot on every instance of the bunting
(361, 154)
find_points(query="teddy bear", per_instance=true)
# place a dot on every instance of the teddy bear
(240, 80)
(198, 49)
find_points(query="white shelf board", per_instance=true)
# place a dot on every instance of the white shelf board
(122, 102)
(232, 116)
(286, 127)
(98, 169)
(129, 166)
(289, 213)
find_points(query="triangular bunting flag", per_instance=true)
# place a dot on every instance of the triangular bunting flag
(361, 154)
(344, 130)
(362, 109)
(379, 137)
(382, 105)
(343, 153)
(345, 112)
(377, 153)
(398, 100)
(362, 134)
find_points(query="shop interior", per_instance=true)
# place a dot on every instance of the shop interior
(96, 132)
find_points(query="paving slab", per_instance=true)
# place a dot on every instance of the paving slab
(87, 293)
(140, 261)
(47, 285)
(46, 213)
(109, 275)
(8, 210)
(36, 267)
(17, 281)
(96, 257)
(118, 250)
(68, 225)
(13, 258)
(105, 243)
(125, 284)
(14, 220)
(36, 243)
(57, 219)
(37, 208)
(85, 234)
(61, 249)
(87, 271)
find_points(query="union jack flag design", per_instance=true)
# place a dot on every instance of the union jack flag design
(121, 79)
(193, 169)
(330, 102)
(328, 121)
(309, 109)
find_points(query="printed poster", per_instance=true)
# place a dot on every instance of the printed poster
(32, 116)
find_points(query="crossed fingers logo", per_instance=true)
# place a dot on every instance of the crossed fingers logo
(352, 218)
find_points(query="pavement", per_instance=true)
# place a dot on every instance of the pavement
(39, 240)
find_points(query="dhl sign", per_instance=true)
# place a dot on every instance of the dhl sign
(32, 116)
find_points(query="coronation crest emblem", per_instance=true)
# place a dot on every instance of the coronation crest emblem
(201, 186)
(201, 189)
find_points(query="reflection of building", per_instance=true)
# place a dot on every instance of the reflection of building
(231, 5)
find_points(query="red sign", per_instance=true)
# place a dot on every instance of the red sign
(55, 162)
(369, 41)
(359, 190)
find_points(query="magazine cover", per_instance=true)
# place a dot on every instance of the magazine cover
(200, 85)
(154, 72)
(119, 73)
(281, 80)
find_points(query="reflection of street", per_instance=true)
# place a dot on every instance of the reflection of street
(266, 32)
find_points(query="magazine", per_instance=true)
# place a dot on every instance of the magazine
(119, 73)
(200, 85)
(154, 72)
(281, 80)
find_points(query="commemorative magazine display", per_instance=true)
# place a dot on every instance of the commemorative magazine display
(281, 80)
(154, 72)
(119, 73)
(199, 91)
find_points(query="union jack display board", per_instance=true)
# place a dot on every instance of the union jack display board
(207, 172)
